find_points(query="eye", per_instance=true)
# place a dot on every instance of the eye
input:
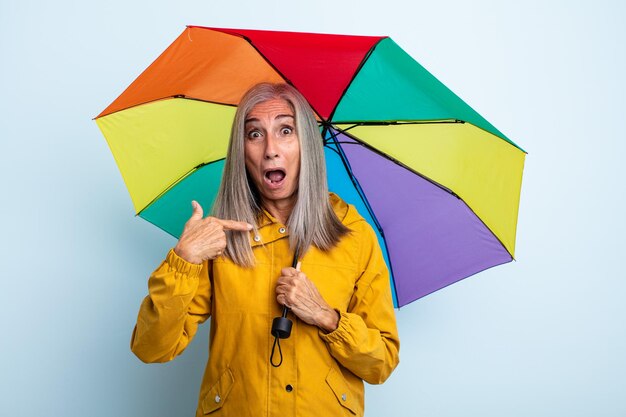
(286, 130)
(254, 134)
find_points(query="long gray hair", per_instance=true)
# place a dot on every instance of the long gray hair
(312, 220)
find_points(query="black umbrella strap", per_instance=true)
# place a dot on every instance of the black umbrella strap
(280, 352)
(276, 334)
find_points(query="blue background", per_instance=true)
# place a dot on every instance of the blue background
(543, 336)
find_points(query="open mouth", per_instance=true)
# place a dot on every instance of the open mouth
(275, 176)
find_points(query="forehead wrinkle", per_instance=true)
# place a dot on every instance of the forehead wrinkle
(280, 116)
(275, 106)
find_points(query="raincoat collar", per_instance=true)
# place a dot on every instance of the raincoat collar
(269, 229)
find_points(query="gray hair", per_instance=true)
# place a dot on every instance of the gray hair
(312, 220)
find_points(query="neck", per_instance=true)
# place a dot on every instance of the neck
(280, 209)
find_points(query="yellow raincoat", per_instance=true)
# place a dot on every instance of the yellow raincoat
(322, 374)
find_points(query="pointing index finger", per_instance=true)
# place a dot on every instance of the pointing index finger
(235, 225)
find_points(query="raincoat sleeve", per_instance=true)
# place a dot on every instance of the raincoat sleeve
(366, 340)
(178, 300)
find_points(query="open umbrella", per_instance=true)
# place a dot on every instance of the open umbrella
(437, 181)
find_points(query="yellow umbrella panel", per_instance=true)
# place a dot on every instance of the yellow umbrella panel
(481, 168)
(157, 144)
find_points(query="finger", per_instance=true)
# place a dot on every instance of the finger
(289, 272)
(298, 265)
(197, 211)
(284, 281)
(235, 225)
(285, 300)
(280, 290)
(282, 300)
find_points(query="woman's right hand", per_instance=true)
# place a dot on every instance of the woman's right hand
(204, 238)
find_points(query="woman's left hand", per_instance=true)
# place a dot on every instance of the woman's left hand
(295, 291)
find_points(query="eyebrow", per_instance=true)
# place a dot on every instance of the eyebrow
(280, 116)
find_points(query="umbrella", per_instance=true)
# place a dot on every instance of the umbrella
(438, 182)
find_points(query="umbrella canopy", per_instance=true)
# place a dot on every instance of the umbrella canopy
(438, 182)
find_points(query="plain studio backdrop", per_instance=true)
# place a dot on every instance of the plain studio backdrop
(542, 336)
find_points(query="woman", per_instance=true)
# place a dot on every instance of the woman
(272, 204)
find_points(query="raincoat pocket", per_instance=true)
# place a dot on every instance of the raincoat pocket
(342, 392)
(218, 394)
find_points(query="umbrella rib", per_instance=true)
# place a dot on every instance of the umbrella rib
(397, 122)
(366, 202)
(177, 181)
(356, 72)
(287, 80)
(361, 143)
(395, 161)
(420, 122)
(356, 184)
(166, 98)
(203, 100)
(443, 187)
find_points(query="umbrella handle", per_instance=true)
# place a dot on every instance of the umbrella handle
(281, 326)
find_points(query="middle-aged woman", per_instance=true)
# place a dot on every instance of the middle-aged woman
(274, 202)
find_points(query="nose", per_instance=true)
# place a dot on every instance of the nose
(271, 150)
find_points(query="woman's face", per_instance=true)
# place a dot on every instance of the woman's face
(272, 151)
